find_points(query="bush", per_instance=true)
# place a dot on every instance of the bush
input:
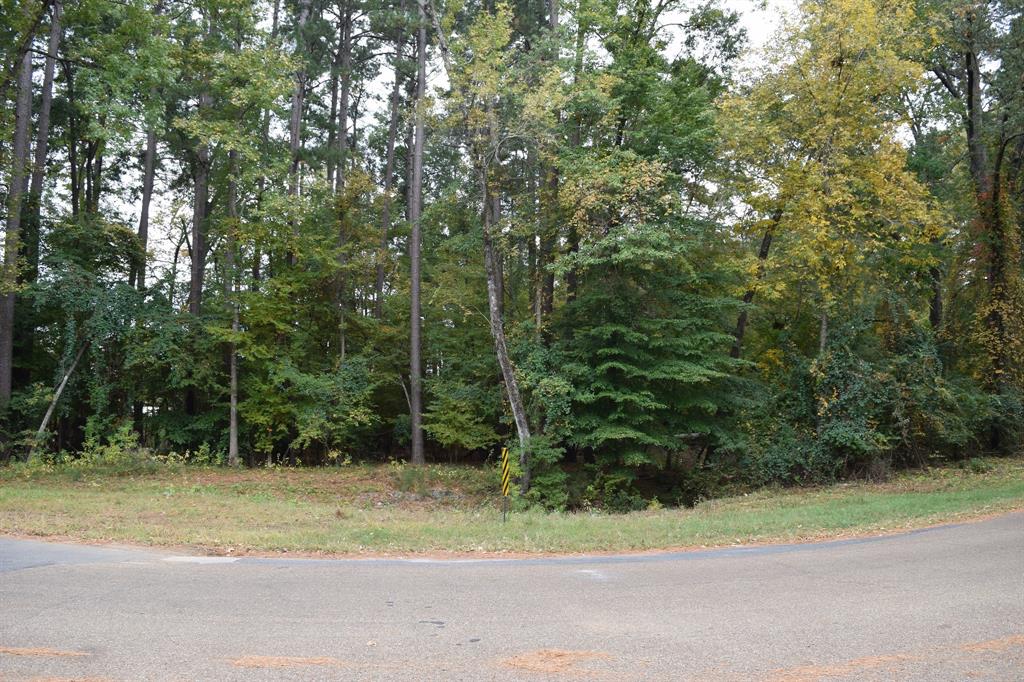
(548, 480)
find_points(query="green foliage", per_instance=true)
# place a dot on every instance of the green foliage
(630, 172)
(644, 355)
(453, 418)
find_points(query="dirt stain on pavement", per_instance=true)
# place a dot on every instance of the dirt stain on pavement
(285, 662)
(70, 679)
(852, 668)
(554, 661)
(996, 644)
(39, 651)
(860, 667)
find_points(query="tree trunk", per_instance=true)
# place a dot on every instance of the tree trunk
(389, 180)
(197, 249)
(231, 295)
(346, 90)
(976, 146)
(935, 304)
(550, 231)
(415, 237)
(332, 121)
(497, 324)
(572, 276)
(56, 398)
(198, 246)
(987, 185)
(298, 98)
(16, 188)
(138, 278)
(31, 241)
(72, 139)
(13, 73)
(345, 29)
(748, 296)
(261, 183)
(97, 177)
(532, 247)
(823, 334)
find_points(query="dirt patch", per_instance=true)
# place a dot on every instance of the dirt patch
(39, 651)
(70, 679)
(284, 662)
(554, 661)
(996, 644)
(856, 667)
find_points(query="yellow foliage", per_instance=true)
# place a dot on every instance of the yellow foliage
(816, 138)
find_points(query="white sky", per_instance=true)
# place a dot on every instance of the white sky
(760, 18)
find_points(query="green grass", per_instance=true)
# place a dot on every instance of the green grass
(391, 509)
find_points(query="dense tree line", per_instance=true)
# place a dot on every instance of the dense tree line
(309, 230)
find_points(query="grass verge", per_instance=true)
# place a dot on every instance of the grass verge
(391, 510)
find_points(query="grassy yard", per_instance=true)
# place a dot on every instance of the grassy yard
(390, 509)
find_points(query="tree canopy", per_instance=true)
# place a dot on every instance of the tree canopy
(615, 237)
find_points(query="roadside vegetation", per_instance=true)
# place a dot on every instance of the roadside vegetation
(400, 509)
(660, 260)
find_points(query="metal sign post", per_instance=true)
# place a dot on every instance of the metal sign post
(505, 478)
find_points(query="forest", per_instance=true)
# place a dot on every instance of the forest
(614, 236)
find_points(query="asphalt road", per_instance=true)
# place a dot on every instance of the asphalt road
(941, 604)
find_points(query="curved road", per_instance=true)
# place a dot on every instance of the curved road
(941, 604)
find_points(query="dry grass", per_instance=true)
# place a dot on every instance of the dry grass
(391, 510)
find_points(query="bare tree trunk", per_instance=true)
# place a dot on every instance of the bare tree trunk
(415, 237)
(389, 181)
(935, 304)
(56, 398)
(536, 264)
(499, 258)
(42, 142)
(346, 90)
(550, 231)
(576, 139)
(410, 137)
(198, 246)
(72, 138)
(332, 121)
(987, 183)
(976, 145)
(12, 239)
(138, 278)
(97, 178)
(298, 98)
(748, 296)
(231, 294)
(10, 73)
(497, 324)
(823, 333)
(345, 30)
(261, 184)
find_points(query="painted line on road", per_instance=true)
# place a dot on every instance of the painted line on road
(202, 559)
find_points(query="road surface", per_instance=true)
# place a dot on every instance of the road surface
(941, 604)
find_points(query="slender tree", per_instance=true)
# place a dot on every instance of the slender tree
(12, 238)
(389, 176)
(415, 240)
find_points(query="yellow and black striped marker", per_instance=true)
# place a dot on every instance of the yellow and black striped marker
(506, 476)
